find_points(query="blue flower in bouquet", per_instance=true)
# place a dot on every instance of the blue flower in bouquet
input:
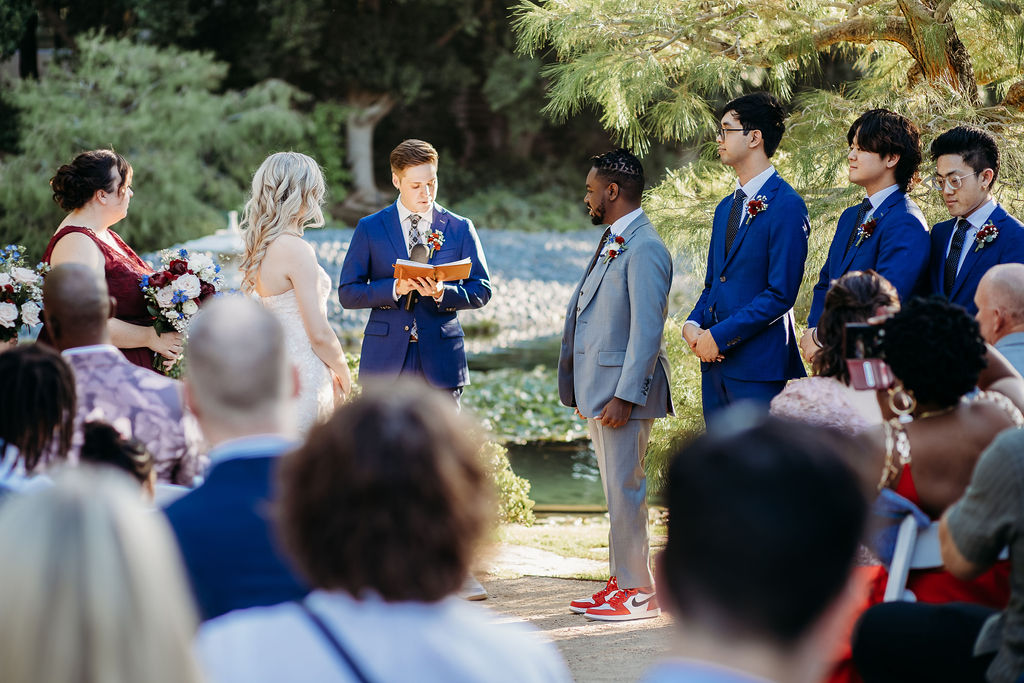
(183, 253)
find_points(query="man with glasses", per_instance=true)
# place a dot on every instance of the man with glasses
(887, 231)
(981, 233)
(742, 325)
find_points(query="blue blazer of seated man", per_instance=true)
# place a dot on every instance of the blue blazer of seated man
(884, 154)
(742, 325)
(426, 340)
(966, 167)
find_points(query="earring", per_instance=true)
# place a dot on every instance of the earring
(902, 403)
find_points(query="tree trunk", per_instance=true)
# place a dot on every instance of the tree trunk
(950, 63)
(28, 50)
(367, 111)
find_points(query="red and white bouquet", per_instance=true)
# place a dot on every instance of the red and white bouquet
(174, 293)
(21, 292)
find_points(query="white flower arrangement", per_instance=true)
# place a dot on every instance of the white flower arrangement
(21, 293)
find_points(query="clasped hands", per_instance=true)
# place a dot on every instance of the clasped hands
(702, 343)
(615, 413)
(424, 286)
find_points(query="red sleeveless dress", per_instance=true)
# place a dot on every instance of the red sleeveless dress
(123, 269)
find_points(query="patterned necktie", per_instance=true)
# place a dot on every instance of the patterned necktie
(865, 206)
(414, 230)
(953, 260)
(593, 261)
(733, 226)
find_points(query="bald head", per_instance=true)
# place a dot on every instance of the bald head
(1000, 301)
(236, 370)
(76, 306)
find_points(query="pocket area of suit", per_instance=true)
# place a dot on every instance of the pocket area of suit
(377, 328)
(611, 358)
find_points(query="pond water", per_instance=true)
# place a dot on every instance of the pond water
(559, 473)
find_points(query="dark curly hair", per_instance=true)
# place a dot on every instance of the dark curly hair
(760, 111)
(935, 348)
(104, 445)
(622, 168)
(853, 298)
(885, 132)
(75, 184)
(389, 495)
(977, 148)
(37, 403)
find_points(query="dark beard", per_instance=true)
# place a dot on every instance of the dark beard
(596, 213)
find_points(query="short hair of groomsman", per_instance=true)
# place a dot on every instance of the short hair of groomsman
(971, 155)
(894, 140)
(755, 486)
(615, 186)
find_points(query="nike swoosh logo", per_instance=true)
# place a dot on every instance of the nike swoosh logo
(638, 603)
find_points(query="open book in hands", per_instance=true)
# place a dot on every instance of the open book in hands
(440, 272)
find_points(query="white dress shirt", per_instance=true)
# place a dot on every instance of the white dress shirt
(877, 198)
(976, 219)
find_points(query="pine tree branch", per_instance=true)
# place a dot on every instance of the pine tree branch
(942, 10)
(861, 30)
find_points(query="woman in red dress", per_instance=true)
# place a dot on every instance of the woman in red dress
(95, 189)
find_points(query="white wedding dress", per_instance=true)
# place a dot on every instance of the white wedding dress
(315, 402)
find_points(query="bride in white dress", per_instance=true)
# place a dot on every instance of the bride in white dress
(281, 268)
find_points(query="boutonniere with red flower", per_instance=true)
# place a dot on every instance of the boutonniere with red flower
(865, 230)
(756, 206)
(987, 233)
(615, 245)
(434, 241)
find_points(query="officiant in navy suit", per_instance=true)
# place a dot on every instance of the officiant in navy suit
(414, 326)
(980, 233)
(886, 232)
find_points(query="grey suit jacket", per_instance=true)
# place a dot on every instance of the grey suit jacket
(1012, 346)
(612, 344)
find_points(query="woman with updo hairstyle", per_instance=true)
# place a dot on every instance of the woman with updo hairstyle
(282, 270)
(826, 398)
(95, 189)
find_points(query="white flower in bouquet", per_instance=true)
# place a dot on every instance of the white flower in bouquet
(200, 261)
(172, 315)
(165, 296)
(189, 285)
(30, 313)
(24, 275)
(190, 308)
(5, 279)
(8, 314)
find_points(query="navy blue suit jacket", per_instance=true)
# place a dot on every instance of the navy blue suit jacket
(367, 279)
(748, 296)
(898, 250)
(1008, 247)
(227, 540)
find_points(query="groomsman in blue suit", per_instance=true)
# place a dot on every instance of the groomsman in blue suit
(887, 231)
(414, 326)
(742, 326)
(981, 233)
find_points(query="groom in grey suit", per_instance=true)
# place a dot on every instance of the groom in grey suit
(614, 371)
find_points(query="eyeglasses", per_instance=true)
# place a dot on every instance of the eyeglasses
(953, 182)
(722, 131)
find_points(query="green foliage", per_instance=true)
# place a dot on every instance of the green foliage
(514, 503)
(193, 148)
(518, 406)
(327, 146)
(14, 16)
(505, 208)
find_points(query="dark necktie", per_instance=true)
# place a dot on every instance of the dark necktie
(953, 260)
(593, 261)
(865, 206)
(733, 226)
(414, 230)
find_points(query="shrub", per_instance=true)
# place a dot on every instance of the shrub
(193, 147)
(514, 503)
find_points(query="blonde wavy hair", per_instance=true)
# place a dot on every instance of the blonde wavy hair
(287, 192)
(93, 588)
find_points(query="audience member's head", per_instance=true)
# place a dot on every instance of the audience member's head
(765, 517)
(96, 585)
(388, 496)
(76, 306)
(287, 194)
(103, 445)
(237, 380)
(37, 404)
(853, 298)
(935, 349)
(888, 134)
(759, 111)
(1000, 301)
